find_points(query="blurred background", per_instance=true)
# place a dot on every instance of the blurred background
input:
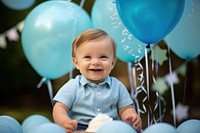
(21, 98)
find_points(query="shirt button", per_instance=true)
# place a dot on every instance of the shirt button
(98, 110)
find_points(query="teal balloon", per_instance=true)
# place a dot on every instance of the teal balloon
(9, 123)
(105, 16)
(189, 126)
(116, 126)
(150, 20)
(48, 128)
(18, 4)
(33, 121)
(184, 40)
(160, 128)
(48, 32)
(5, 128)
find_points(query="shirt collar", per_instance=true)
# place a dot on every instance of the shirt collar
(84, 81)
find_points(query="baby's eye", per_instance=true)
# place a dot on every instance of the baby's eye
(87, 57)
(103, 56)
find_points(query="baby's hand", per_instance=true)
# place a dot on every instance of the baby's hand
(70, 125)
(134, 120)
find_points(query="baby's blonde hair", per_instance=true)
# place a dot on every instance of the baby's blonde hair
(91, 35)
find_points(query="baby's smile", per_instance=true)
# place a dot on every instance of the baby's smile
(95, 70)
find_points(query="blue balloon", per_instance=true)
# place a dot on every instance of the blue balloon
(48, 128)
(11, 123)
(5, 128)
(160, 128)
(33, 121)
(116, 126)
(18, 4)
(184, 38)
(189, 126)
(150, 20)
(105, 16)
(48, 32)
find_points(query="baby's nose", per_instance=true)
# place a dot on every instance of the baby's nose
(95, 61)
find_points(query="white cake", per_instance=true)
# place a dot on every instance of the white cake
(97, 122)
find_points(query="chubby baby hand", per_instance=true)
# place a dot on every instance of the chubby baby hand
(70, 125)
(134, 120)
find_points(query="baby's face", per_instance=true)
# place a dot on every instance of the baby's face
(95, 59)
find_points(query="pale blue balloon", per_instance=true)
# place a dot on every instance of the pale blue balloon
(116, 126)
(189, 126)
(18, 4)
(33, 121)
(161, 128)
(48, 32)
(184, 40)
(150, 20)
(48, 128)
(10, 122)
(105, 16)
(5, 128)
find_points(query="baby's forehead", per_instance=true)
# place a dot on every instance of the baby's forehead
(97, 39)
(110, 45)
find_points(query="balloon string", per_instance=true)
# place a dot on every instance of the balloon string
(172, 90)
(157, 61)
(132, 80)
(185, 84)
(135, 86)
(140, 88)
(158, 104)
(49, 85)
(147, 73)
(82, 3)
(41, 82)
(152, 65)
(159, 108)
(159, 97)
(50, 89)
(147, 82)
(134, 75)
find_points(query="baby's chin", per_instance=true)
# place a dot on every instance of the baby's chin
(95, 79)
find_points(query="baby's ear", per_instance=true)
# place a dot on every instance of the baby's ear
(75, 62)
(114, 62)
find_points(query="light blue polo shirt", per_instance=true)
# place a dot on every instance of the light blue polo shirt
(85, 99)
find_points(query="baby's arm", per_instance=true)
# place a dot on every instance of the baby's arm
(129, 115)
(60, 116)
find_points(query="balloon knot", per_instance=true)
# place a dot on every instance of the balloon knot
(148, 46)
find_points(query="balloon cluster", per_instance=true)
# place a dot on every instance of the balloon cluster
(129, 49)
(175, 21)
(33, 124)
(50, 28)
(40, 124)
(150, 21)
(189, 126)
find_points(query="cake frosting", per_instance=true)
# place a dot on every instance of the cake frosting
(97, 122)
